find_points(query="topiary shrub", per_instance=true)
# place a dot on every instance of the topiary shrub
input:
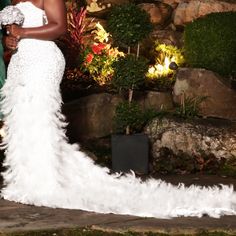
(130, 114)
(129, 72)
(210, 43)
(128, 24)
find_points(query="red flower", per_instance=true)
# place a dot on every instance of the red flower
(89, 58)
(97, 48)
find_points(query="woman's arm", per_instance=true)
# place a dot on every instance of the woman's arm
(57, 24)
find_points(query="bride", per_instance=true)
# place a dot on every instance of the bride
(43, 169)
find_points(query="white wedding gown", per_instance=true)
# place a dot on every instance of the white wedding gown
(43, 169)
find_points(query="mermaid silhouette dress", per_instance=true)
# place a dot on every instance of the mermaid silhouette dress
(43, 169)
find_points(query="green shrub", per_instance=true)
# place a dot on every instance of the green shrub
(189, 107)
(210, 43)
(128, 24)
(129, 72)
(130, 114)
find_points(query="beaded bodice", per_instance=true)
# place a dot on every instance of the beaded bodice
(34, 16)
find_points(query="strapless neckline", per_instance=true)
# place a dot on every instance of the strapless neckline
(28, 2)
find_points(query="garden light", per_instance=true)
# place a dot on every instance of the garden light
(173, 66)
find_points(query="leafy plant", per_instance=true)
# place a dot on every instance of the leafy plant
(71, 43)
(210, 43)
(129, 72)
(99, 55)
(189, 107)
(76, 24)
(168, 59)
(128, 24)
(169, 51)
(229, 167)
(130, 114)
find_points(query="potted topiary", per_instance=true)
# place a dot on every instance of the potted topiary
(129, 147)
(128, 25)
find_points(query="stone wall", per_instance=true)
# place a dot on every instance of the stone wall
(185, 147)
(168, 16)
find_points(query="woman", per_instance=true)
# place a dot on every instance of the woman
(43, 168)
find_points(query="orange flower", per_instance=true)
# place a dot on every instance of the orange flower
(89, 58)
(97, 48)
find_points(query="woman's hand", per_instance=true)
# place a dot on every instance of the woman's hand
(15, 31)
(10, 42)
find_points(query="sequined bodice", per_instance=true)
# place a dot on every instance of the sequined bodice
(35, 56)
(34, 16)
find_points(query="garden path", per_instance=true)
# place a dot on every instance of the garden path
(24, 218)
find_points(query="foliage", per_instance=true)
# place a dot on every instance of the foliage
(189, 107)
(98, 60)
(210, 43)
(229, 168)
(76, 24)
(130, 114)
(128, 24)
(90, 52)
(98, 57)
(129, 72)
(169, 51)
(71, 42)
(161, 75)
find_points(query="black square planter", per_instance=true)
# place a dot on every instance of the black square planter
(130, 152)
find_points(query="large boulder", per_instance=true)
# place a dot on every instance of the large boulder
(172, 3)
(187, 11)
(156, 100)
(90, 116)
(168, 36)
(160, 13)
(196, 83)
(191, 146)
